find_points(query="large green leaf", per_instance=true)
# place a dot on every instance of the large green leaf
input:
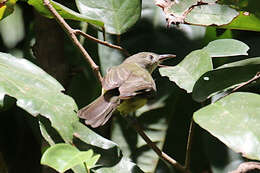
(187, 72)
(214, 14)
(37, 93)
(118, 15)
(226, 47)
(225, 77)
(65, 12)
(63, 157)
(235, 121)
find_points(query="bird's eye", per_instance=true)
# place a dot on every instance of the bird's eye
(150, 57)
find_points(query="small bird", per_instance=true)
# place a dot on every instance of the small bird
(126, 87)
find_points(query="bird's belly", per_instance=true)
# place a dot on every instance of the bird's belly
(131, 105)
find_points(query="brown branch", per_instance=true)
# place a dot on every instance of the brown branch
(160, 153)
(256, 77)
(74, 39)
(76, 31)
(247, 167)
(189, 143)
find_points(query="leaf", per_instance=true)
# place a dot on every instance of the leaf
(65, 12)
(234, 120)
(224, 78)
(124, 166)
(12, 28)
(63, 157)
(37, 93)
(214, 14)
(117, 15)
(6, 8)
(226, 47)
(187, 72)
(245, 21)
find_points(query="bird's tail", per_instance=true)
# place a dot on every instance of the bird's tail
(100, 110)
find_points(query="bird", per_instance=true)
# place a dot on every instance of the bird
(126, 87)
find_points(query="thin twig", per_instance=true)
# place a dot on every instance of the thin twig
(74, 39)
(160, 153)
(76, 31)
(189, 143)
(247, 167)
(256, 77)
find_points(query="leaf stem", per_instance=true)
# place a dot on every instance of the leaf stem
(256, 77)
(160, 153)
(189, 143)
(76, 31)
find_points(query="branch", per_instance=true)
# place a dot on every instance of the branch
(247, 167)
(76, 31)
(74, 39)
(256, 77)
(189, 143)
(160, 153)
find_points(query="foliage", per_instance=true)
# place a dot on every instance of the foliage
(202, 86)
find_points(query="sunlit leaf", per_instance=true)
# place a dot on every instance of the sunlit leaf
(234, 120)
(211, 15)
(226, 47)
(187, 72)
(63, 157)
(37, 93)
(65, 12)
(117, 15)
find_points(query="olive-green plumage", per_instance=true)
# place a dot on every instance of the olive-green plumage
(126, 88)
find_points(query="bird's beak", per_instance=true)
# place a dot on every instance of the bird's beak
(166, 56)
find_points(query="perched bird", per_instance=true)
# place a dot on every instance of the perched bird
(126, 88)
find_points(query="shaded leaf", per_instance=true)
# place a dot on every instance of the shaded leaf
(187, 72)
(224, 78)
(214, 14)
(63, 157)
(65, 12)
(234, 120)
(226, 47)
(117, 15)
(37, 93)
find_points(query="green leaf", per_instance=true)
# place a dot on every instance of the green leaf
(12, 28)
(124, 166)
(214, 14)
(118, 15)
(65, 12)
(234, 120)
(63, 157)
(245, 21)
(37, 93)
(187, 72)
(224, 78)
(226, 47)
(6, 8)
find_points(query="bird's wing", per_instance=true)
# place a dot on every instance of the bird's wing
(139, 82)
(115, 77)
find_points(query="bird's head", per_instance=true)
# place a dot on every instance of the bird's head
(148, 60)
